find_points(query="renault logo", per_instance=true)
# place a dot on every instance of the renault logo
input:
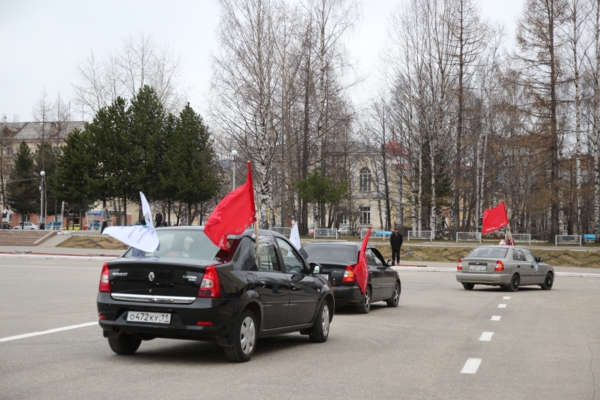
(151, 276)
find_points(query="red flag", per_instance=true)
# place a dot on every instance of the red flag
(361, 270)
(494, 219)
(233, 214)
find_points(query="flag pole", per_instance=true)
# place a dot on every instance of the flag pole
(255, 226)
(508, 225)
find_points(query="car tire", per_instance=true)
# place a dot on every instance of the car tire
(395, 299)
(468, 286)
(548, 281)
(320, 330)
(514, 283)
(365, 306)
(244, 339)
(124, 344)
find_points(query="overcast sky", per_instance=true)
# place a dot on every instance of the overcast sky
(43, 41)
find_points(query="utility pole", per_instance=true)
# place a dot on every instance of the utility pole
(2, 193)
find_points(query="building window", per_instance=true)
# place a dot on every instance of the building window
(364, 215)
(365, 181)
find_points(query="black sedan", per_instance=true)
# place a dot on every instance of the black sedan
(190, 289)
(338, 260)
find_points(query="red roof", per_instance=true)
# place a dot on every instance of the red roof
(395, 149)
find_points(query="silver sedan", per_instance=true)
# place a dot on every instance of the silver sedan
(505, 266)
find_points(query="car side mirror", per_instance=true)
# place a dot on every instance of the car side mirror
(538, 259)
(315, 268)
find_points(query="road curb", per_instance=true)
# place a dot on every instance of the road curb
(106, 257)
(47, 256)
(440, 269)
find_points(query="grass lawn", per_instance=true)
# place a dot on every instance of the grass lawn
(553, 256)
(93, 242)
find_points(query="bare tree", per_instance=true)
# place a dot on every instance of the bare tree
(43, 112)
(138, 62)
(245, 82)
(539, 45)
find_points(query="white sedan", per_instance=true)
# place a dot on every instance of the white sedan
(27, 226)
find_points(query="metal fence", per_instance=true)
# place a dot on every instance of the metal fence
(325, 232)
(567, 239)
(421, 235)
(468, 236)
(522, 237)
(284, 230)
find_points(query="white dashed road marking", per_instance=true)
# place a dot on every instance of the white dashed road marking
(506, 298)
(28, 335)
(501, 305)
(496, 317)
(471, 366)
(486, 336)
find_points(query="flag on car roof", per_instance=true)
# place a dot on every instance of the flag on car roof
(233, 214)
(361, 270)
(494, 219)
(141, 237)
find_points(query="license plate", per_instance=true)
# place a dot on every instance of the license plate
(477, 267)
(149, 317)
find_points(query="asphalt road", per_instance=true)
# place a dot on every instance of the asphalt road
(546, 345)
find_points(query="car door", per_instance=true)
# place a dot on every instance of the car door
(304, 290)
(388, 275)
(538, 274)
(524, 267)
(272, 286)
(376, 275)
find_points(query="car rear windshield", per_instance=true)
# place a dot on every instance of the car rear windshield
(489, 252)
(191, 244)
(335, 254)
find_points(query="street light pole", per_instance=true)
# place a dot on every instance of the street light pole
(233, 153)
(43, 189)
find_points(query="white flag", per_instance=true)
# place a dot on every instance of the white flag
(295, 236)
(146, 210)
(139, 236)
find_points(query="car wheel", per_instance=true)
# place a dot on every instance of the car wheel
(320, 330)
(365, 306)
(395, 299)
(124, 344)
(514, 283)
(468, 286)
(548, 281)
(244, 339)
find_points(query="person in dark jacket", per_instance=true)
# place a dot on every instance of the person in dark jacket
(396, 243)
(158, 219)
(105, 218)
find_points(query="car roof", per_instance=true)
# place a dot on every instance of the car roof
(247, 232)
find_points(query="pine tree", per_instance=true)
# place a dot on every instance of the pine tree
(191, 159)
(23, 186)
(75, 165)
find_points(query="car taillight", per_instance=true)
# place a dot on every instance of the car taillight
(349, 274)
(499, 266)
(104, 280)
(210, 286)
(459, 265)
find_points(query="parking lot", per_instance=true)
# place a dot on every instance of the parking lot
(442, 342)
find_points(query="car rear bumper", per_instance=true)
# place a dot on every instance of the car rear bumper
(347, 295)
(204, 319)
(483, 278)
